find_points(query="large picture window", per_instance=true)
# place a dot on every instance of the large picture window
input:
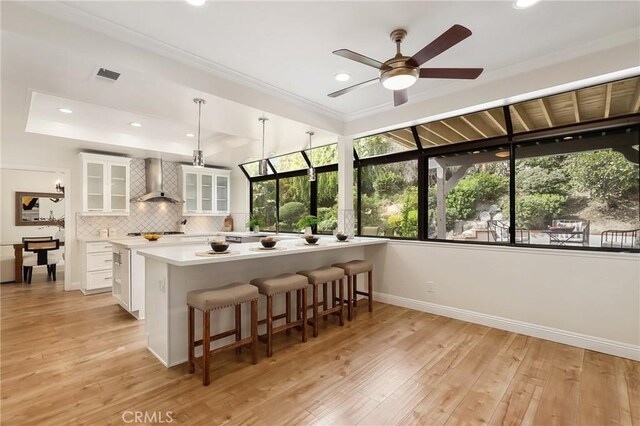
(580, 190)
(264, 203)
(468, 196)
(327, 202)
(389, 199)
(294, 202)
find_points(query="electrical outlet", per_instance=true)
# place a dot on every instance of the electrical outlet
(430, 287)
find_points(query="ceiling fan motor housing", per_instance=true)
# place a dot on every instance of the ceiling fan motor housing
(397, 74)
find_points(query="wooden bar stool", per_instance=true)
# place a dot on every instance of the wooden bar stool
(284, 283)
(323, 276)
(351, 270)
(206, 300)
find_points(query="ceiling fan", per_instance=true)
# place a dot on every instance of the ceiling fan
(401, 72)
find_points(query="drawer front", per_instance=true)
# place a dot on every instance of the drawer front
(98, 247)
(99, 279)
(99, 261)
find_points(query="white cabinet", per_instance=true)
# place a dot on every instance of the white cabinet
(205, 191)
(105, 185)
(96, 264)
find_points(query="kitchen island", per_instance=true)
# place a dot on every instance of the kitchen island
(173, 271)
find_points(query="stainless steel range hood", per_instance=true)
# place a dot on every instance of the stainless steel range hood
(153, 177)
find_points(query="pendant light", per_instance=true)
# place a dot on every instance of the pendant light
(198, 156)
(311, 172)
(262, 166)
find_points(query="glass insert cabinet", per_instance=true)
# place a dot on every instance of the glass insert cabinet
(106, 182)
(205, 191)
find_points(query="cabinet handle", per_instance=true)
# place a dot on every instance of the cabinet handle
(108, 278)
(107, 260)
(107, 246)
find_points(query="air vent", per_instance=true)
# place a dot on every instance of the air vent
(111, 75)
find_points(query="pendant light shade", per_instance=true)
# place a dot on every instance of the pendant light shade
(198, 155)
(311, 172)
(263, 167)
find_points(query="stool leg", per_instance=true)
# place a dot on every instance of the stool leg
(288, 310)
(333, 294)
(192, 326)
(269, 326)
(29, 274)
(254, 331)
(355, 291)
(325, 298)
(315, 310)
(370, 285)
(53, 272)
(349, 287)
(341, 316)
(206, 347)
(238, 328)
(304, 314)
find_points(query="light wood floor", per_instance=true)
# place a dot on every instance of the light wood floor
(72, 359)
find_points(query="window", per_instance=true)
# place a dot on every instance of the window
(253, 168)
(294, 202)
(327, 202)
(479, 125)
(389, 199)
(468, 196)
(577, 190)
(289, 162)
(264, 203)
(385, 143)
(323, 155)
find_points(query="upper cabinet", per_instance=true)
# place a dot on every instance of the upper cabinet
(105, 185)
(205, 191)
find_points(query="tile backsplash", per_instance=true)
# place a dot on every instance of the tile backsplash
(161, 216)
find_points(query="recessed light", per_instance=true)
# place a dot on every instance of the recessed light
(342, 76)
(523, 4)
(196, 2)
(567, 138)
(190, 135)
(135, 124)
(476, 152)
(65, 110)
(502, 154)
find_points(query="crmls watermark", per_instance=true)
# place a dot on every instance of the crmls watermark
(147, 416)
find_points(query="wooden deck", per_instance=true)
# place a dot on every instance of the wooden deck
(72, 359)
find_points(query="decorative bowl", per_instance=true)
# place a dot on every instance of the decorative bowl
(268, 242)
(219, 246)
(310, 239)
(152, 236)
(342, 237)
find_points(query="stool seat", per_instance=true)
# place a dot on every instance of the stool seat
(323, 275)
(229, 295)
(355, 267)
(282, 283)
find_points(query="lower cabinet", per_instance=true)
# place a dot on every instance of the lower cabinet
(96, 261)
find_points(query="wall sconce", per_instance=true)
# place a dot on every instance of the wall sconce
(59, 187)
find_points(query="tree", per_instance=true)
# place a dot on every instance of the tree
(292, 212)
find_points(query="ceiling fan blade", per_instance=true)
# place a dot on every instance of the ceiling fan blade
(400, 97)
(349, 54)
(465, 73)
(447, 40)
(350, 88)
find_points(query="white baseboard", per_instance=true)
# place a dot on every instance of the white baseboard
(593, 343)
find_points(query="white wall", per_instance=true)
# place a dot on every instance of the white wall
(585, 299)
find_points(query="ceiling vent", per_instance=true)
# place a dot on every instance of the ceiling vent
(111, 75)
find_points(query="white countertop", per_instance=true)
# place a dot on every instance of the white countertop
(186, 255)
(121, 238)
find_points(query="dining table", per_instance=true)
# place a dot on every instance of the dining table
(18, 249)
(563, 237)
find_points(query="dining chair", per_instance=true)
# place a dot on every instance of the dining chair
(43, 255)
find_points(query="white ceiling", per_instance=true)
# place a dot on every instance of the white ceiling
(288, 45)
(233, 53)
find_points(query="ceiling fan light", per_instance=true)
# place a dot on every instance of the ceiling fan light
(399, 82)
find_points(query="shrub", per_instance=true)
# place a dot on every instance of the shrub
(370, 212)
(472, 189)
(607, 175)
(539, 180)
(292, 212)
(536, 211)
(388, 183)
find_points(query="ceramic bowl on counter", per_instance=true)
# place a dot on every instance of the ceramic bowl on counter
(310, 239)
(268, 242)
(152, 235)
(341, 237)
(219, 246)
